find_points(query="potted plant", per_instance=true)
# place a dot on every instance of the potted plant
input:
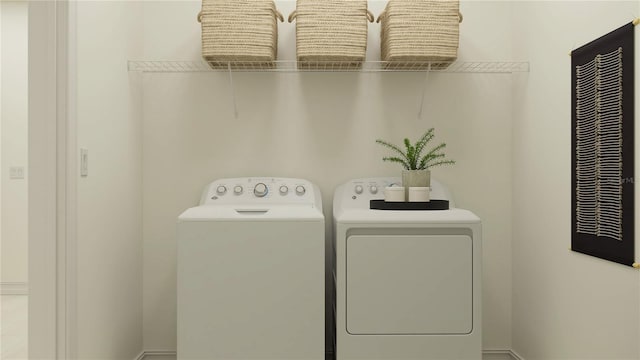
(416, 166)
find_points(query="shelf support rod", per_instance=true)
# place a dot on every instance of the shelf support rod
(424, 91)
(233, 92)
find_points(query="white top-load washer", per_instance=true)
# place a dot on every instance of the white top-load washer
(251, 272)
(408, 283)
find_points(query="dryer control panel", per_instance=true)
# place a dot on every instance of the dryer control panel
(357, 193)
(260, 190)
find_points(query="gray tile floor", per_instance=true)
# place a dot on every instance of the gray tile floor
(13, 327)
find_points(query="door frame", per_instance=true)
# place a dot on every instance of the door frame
(51, 183)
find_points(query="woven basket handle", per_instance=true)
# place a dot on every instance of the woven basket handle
(277, 13)
(370, 16)
(460, 17)
(294, 15)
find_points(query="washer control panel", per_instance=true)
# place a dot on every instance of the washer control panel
(259, 190)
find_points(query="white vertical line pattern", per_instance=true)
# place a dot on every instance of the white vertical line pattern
(599, 146)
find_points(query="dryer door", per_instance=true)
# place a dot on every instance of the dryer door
(409, 284)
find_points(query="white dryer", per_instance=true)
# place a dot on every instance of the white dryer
(251, 272)
(408, 283)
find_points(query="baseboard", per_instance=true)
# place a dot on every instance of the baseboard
(486, 355)
(14, 288)
(157, 355)
(515, 355)
(503, 354)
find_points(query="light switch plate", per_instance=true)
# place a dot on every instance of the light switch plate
(16, 172)
(84, 162)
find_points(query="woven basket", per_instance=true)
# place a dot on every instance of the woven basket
(420, 33)
(331, 34)
(239, 33)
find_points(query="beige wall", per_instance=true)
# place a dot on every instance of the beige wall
(152, 150)
(321, 127)
(565, 305)
(1, 163)
(109, 243)
(14, 143)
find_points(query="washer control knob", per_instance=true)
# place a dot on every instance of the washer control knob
(300, 190)
(237, 190)
(359, 189)
(373, 189)
(284, 190)
(221, 190)
(260, 190)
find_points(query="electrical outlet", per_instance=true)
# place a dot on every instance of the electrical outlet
(16, 172)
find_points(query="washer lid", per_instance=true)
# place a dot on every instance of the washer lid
(252, 213)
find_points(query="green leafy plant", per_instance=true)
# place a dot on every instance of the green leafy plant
(412, 158)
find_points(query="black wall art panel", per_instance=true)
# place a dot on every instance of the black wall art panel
(602, 84)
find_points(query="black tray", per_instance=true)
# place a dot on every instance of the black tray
(431, 205)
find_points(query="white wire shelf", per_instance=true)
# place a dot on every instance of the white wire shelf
(491, 67)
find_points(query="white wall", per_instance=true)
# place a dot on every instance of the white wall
(14, 142)
(320, 126)
(109, 243)
(1, 163)
(565, 305)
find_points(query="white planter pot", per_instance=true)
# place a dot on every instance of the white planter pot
(415, 178)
